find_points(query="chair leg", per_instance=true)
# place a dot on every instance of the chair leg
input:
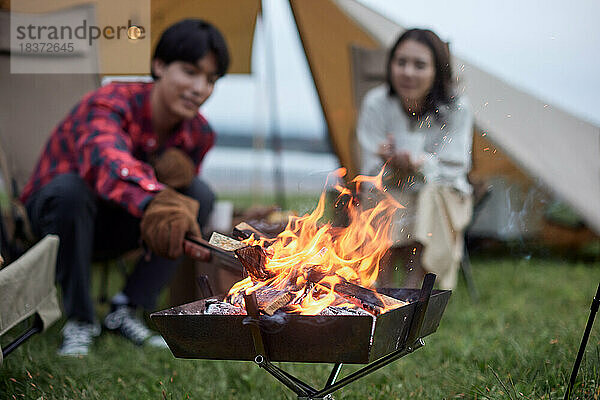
(465, 267)
(36, 327)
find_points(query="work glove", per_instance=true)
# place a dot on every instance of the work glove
(175, 169)
(166, 220)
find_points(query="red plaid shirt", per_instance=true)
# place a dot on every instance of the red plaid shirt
(108, 140)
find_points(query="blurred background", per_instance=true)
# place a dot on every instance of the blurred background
(285, 113)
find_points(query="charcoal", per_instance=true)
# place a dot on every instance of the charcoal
(335, 310)
(222, 308)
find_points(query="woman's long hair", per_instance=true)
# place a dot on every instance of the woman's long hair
(442, 91)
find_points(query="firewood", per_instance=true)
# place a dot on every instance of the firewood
(270, 300)
(243, 231)
(345, 287)
(370, 299)
(254, 259)
(225, 242)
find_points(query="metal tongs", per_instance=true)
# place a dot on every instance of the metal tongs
(227, 259)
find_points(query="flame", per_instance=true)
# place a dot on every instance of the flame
(309, 243)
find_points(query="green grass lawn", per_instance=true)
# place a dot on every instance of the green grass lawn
(518, 342)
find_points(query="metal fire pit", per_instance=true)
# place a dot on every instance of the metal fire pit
(284, 337)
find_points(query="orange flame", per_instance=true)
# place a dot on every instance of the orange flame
(309, 243)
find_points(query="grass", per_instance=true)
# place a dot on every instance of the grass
(302, 203)
(518, 342)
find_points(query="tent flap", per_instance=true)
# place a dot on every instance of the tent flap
(327, 35)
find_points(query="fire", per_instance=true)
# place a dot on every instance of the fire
(310, 244)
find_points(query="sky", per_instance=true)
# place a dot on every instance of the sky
(550, 49)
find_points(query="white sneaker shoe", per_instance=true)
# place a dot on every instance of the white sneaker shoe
(77, 338)
(124, 320)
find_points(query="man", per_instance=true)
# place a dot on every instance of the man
(122, 166)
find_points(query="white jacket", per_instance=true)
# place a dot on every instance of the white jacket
(444, 148)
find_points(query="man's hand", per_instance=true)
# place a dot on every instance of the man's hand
(168, 217)
(175, 169)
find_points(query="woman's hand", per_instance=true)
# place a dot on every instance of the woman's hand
(401, 161)
(398, 159)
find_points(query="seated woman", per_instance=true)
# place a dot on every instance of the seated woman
(421, 130)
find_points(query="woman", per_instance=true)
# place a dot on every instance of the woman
(421, 130)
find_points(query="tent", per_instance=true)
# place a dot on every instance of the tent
(520, 142)
(543, 142)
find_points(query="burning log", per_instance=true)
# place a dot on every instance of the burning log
(254, 259)
(243, 231)
(356, 294)
(270, 300)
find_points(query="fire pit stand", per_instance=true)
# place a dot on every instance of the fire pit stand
(302, 389)
(330, 339)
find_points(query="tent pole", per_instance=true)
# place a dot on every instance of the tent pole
(260, 127)
(274, 125)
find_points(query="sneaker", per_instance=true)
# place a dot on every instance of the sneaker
(77, 338)
(124, 320)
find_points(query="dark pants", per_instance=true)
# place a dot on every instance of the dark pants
(89, 229)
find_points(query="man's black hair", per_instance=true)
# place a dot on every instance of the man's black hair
(189, 40)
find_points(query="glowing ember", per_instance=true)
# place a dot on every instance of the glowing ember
(348, 256)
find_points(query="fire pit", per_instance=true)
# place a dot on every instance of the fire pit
(284, 337)
(308, 296)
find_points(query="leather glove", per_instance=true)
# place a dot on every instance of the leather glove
(174, 168)
(166, 220)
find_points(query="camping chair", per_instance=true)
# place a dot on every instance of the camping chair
(368, 71)
(27, 290)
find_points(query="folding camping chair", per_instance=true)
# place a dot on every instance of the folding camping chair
(368, 70)
(27, 290)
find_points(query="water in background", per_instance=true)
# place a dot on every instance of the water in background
(234, 170)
